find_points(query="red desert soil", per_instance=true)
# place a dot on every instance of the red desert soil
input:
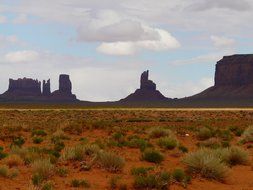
(20, 123)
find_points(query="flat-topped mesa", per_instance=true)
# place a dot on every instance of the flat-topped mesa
(233, 79)
(24, 87)
(46, 88)
(146, 83)
(146, 93)
(235, 70)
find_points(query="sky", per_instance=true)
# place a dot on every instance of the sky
(104, 45)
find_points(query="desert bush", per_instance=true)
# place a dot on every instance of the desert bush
(13, 160)
(204, 133)
(181, 177)
(47, 186)
(236, 130)
(137, 142)
(80, 183)
(159, 181)
(74, 153)
(247, 135)
(62, 172)
(6, 172)
(113, 182)
(37, 140)
(110, 161)
(168, 142)
(152, 155)
(183, 148)
(141, 170)
(158, 132)
(18, 141)
(206, 163)
(39, 132)
(235, 156)
(2, 153)
(43, 168)
(213, 143)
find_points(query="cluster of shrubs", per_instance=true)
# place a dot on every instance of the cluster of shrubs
(214, 163)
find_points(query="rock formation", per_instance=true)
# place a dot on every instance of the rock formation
(46, 88)
(23, 87)
(65, 89)
(147, 91)
(233, 79)
(27, 89)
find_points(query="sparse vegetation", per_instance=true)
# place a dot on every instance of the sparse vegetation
(152, 155)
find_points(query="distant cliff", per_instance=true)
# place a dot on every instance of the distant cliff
(146, 93)
(233, 79)
(27, 89)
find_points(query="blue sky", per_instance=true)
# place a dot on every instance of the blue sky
(105, 46)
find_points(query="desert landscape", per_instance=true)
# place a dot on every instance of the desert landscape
(126, 149)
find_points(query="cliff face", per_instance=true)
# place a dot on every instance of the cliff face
(147, 91)
(233, 79)
(236, 70)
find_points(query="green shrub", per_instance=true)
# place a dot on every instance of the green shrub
(18, 141)
(47, 186)
(2, 154)
(80, 183)
(140, 143)
(39, 133)
(206, 163)
(110, 161)
(159, 132)
(183, 149)
(141, 170)
(204, 133)
(152, 155)
(37, 140)
(158, 181)
(168, 142)
(62, 172)
(247, 135)
(237, 156)
(6, 172)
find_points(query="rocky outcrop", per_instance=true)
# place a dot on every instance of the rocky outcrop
(233, 79)
(46, 88)
(23, 87)
(147, 91)
(65, 89)
(27, 89)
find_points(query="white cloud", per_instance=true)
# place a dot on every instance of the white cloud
(3, 19)
(209, 58)
(165, 42)
(21, 56)
(188, 88)
(20, 19)
(221, 42)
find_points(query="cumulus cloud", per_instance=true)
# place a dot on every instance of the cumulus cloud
(221, 42)
(21, 56)
(165, 42)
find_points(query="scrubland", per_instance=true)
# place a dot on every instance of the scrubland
(126, 149)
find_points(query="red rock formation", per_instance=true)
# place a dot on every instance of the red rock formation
(46, 88)
(146, 93)
(23, 87)
(65, 90)
(233, 79)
